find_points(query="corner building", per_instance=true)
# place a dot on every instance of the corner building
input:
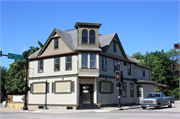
(79, 67)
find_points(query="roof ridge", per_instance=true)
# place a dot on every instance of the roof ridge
(70, 30)
(107, 34)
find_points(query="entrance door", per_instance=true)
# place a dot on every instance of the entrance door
(86, 93)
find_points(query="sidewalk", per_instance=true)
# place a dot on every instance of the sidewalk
(103, 109)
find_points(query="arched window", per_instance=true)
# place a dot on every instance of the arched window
(84, 36)
(92, 36)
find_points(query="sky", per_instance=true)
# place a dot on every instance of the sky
(142, 26)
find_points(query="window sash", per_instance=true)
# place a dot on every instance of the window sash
(56, 44)
(129, 69)
(84, 60)
(84, 36)
(104, 63)
(68, 63)
(92, 60)
(124, 90)
(114, 46)
(131, 90)
(143, 72)
(115, 65)
(56, 64)
(40, 66)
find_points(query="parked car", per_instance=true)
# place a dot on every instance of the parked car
(157, 100)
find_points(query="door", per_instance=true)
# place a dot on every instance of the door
(86, 93)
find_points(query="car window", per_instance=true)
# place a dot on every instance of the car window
(153, 95)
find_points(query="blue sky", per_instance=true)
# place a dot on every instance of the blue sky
(141, 25)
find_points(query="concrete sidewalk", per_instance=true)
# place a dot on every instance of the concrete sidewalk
(103, 109)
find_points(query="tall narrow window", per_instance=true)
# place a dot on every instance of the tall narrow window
(129, 69)
(68, 63)
(114, 47)
(115, 65)
(124, 89)
(131, 90)
(56, 64)
(84, 60)
(143, 72)
(84, 36)
(56, 44)
(139, 93)
(93, 60)
(92, 36)
(104, 64)
(40, 66)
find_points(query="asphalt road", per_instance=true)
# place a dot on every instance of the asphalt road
(149, 113)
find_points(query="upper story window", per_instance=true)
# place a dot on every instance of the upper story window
(104, 64)
(56, 64)
(115, 65)
(84, 36)
(84, 60)
(56, 44)
(92, 60)
(40, 66)
(129, 69)
(114, 47)
(143, 72)
(92, 36)
(68, 63)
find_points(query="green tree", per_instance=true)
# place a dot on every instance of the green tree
(17, 72)
(4, 75)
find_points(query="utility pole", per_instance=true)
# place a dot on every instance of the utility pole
(26, 88)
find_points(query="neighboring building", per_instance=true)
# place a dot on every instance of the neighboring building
(79, 66)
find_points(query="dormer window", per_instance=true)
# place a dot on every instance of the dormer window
(92, 36)
(56, 44)
(84, 36)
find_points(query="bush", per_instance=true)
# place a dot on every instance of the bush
(172, 93)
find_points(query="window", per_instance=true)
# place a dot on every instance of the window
(93, 60)
(56, 64)
(92, 36)
(63, 86)
(124, 63)
(124, 89)
(31, 88)
(143, 72)
(84, 60)
(84, 36)
(139, 91)
(129, 69)
(52, 87)
(40, 88)
(68, 63)
(56, 44)
(114, 47)
(104, 64)
(40, 66)
(106, 87)
(115, 65)
(131, 90)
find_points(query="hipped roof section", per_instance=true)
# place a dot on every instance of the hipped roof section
(70, 39)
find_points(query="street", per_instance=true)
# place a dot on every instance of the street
(149, 113)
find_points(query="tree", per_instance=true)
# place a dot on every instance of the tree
(17, 72)
(4, 78)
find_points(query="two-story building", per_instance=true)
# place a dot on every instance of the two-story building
(79, 66)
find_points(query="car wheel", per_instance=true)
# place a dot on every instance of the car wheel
(143, 107)
(169, 104)
(159, 106)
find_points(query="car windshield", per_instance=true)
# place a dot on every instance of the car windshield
(153, 95)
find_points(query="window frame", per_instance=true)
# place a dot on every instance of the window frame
(114, 47)
(55, 63)
(68, 62)
(138, 87)
(104, 64)
(143, 70)
(91, 36)
(85, 36)
(132, 91)
(112, 87)
(56, 39)
(94, 61)
(39, 66)
(63, 92)
(116, 65)
(86, 61)
(129, 70)
(40, 83)
(124, 88)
